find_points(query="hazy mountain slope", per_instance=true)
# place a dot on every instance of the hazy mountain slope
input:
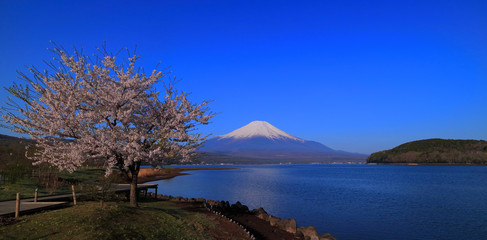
(262, 144)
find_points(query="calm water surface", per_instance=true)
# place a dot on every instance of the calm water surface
(354, 201)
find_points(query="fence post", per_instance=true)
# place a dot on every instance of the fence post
(35, 195)
(17, 206)
(74, 195)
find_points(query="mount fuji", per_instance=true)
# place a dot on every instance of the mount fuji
(260, 142)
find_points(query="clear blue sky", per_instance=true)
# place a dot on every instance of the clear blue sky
(359, 76)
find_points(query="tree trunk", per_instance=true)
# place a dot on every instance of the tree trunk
(133, 190)
(133, 185)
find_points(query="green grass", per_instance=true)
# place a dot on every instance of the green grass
(26, 187)
(152, 220)
(83, 175)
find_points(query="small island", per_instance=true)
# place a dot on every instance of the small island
(434, 151)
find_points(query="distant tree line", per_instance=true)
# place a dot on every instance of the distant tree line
(14, 166)
(434, 151)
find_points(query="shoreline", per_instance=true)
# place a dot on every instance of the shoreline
(257, 223)
(257, 220)
(425, 164)
(153, 174)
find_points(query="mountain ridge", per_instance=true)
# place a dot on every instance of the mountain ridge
(260, 140)
(434, 151)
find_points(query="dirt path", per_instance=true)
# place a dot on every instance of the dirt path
(226, 230)
(257, 227)
(262, 229)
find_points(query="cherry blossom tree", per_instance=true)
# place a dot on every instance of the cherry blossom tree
(104, 108)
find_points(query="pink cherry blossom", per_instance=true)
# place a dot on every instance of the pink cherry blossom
(103, 107)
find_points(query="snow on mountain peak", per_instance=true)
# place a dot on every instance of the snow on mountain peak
(259, 129)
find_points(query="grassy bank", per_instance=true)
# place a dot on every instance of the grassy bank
(152, 220)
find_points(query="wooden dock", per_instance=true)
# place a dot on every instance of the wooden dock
(140, 187)
(27, 206)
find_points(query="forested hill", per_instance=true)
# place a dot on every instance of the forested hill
(434, 151)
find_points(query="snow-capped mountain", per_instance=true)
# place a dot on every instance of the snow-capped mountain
(260, 129)
(259, 139)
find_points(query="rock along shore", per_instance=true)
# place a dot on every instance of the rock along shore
(257, 223)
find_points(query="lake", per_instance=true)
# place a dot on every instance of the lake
(354, 201)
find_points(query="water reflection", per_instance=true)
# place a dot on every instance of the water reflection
(355, 201)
